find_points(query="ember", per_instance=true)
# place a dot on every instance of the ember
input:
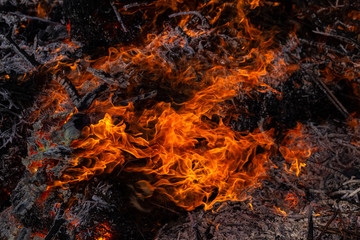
(167, 119)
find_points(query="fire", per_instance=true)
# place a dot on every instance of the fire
(101, 231)
(295, 150)
(280, 212)
(68, 28)
(104, 231)
(292, 200)
(41, 12)
(183, 144)
(191, 157)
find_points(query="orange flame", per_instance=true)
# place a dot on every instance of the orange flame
(295, 150)
(280, 212)
(41, 12)
(189, 158)
(292, 200)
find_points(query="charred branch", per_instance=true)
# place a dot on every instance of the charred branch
(29, 59)
(118, 16)
(140, 97)
(21, 15)
(330, 95)
(310, 234)
(58, 222)
(122, 83)
(88, 99)
(340, 38)
(195, 227)
(69, 88)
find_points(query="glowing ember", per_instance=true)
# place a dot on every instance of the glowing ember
(292, 200)
(101, 232)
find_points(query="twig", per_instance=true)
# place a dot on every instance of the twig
(310, 235)
(89, 97)
(289, 183)
(29, 59)
(143, 96)
(352, 180)
(183, 34)
(195, 227)
(9, 134)
(118, 16)
(342, 224)
(132, 5)
(58, 222)
(323, 229)
(329, 170)
(330, 95)
(341, 38)
(106, 77)
(160, 230)
(322, 46)
(24, 233)
(354, 192)
(166, 208)
(204, 21)
(338, 232)
(33, 18)
(69, 88)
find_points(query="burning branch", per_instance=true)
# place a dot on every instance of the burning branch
(69, 88)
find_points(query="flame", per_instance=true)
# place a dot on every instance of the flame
(190, 157)
(251, 206)
(295, 150)
(292, 200)
(38, 235)
(280, 212)
(104, 231)
(354, 15)
(41, 12)
(354, 125)
(68, 28)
